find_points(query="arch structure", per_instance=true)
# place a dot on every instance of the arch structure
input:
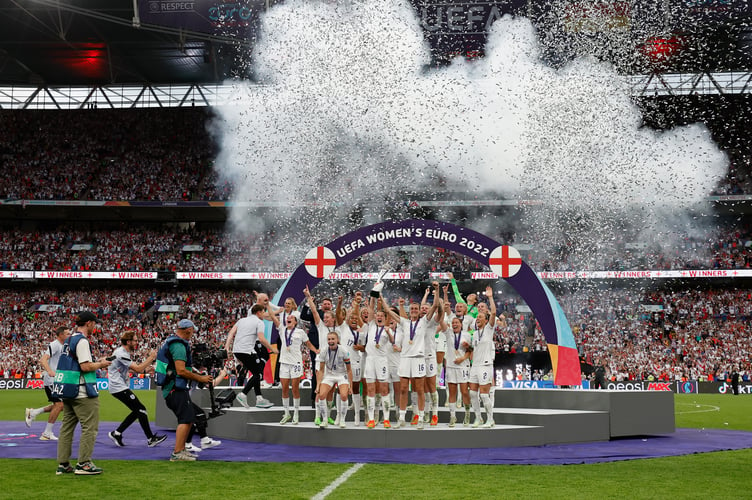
(504, 261)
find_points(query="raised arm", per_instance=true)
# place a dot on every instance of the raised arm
(311, 306)
(456, 290)
(371, 308)
(356, 308)
(436, 300)
(491, 306)
(389, 311)
(275, 319)
(230, 338)
(339, 313)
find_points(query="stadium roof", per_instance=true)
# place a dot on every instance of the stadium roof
(84, 42)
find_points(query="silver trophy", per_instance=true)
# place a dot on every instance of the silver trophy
(379, 285)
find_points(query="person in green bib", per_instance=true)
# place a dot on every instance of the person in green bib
(76, 384)
(174, 373)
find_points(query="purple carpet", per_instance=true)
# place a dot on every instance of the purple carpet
(18, 441)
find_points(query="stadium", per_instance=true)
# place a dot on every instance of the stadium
(170, 160)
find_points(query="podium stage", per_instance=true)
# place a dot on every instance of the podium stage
(524, 417)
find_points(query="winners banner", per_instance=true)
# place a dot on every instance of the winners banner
(372, 276)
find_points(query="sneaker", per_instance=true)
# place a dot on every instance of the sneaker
(208, 442)
(117, 438)
(401, 423)
(64, 469)
(48, 437)
(342, 424)
(415, 419)
(317, 421)
(155, 440)
(452, 421)
(466, 420)
(242, 399)
(420, 423)
(387, 424)
(324, 424)
(295, 419)
(477, 422)
(336, 420)
(434, 420)
(489, 423)
(356, 421)
(285, 418)
(182, 456)
(29, 418)
(330, 420)
(427, 417)
(191, 448)
(371, 424)
(263, 403)
(87, 469)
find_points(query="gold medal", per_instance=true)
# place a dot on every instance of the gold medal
(456, 354)
(378, 346)
(411, 342)
(289, 349)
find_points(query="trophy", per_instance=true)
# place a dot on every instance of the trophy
(379, 285)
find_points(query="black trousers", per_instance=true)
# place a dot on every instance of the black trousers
(138, 412)
(199, 426)
(255, 366)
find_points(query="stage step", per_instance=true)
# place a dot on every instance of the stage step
(307, 434)
(522, 417)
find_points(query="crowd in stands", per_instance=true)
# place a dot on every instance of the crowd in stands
(104, 154)
(188, 248)
(690, 334)
(150, 154)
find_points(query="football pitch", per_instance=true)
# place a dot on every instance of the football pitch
(716, 475)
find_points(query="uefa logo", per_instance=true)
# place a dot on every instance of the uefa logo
(154, 7)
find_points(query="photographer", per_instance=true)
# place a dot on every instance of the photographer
(119, 386)
(174, 374)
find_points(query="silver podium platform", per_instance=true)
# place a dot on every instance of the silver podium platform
(524, 417)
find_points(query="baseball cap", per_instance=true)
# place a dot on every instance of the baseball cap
(84, 317)
(184, 324)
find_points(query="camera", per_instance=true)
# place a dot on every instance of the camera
(205, 357)
(212, 360)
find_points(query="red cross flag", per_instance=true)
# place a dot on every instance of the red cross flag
(505, 261)
(320, 262)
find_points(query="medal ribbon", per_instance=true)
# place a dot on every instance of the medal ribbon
(379, 331)
(413, 328)
(333, 360)
(288, 336)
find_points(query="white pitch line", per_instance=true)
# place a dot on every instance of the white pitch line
(341, 479)
(712, 408)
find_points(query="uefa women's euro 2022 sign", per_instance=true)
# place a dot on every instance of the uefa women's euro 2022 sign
(503, 260)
